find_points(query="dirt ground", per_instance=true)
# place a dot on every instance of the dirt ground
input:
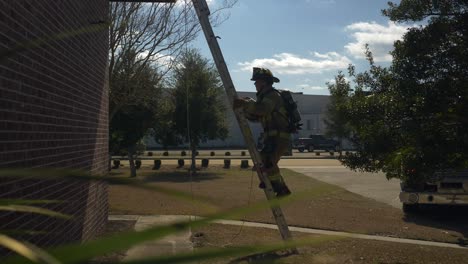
(334, 251)
(315, 204)
(114, 227)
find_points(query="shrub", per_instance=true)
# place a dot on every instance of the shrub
(197, 153)
(212, 153)
(243, 153)
(181, 163)
(227, 163)
(140, 147)
(165, 153)
(244, 164)
(332, 153)
(137, 163)
(116, 163)
(227, 153)
(150, 153)
(204, 163)
(317, 153)
(183, 153)
(157, 164)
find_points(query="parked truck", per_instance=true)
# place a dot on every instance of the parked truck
(314, 142)
(443, 188)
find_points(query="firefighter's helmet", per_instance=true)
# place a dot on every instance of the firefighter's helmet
(264, 74)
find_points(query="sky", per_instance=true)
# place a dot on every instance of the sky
(303, 42)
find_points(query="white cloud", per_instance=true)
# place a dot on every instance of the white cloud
(379, 37)
(162, 60)
(288, 63)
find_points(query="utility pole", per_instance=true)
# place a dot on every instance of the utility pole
(203, 13)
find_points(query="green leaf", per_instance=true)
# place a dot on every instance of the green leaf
(26, 202)
(27, 250)
(34, 210)
(22, 232)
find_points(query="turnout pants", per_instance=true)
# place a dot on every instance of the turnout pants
(273, 149)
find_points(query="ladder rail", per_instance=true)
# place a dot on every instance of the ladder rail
(203, 12)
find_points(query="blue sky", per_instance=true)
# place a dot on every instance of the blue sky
(303, 42)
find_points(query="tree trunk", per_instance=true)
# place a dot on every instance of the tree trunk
(131, 160)
(193, 167)
(341, 146)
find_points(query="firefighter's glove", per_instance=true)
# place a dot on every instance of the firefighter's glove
(239, 103)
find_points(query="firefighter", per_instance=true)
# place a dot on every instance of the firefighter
(270, 111)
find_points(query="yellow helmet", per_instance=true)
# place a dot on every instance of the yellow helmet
(263, 73)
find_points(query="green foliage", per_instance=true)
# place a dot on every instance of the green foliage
(199, 112)
(409, 120)
(130, 122)
(157, 164)
(181, 162)
(336, 111)
(138, 163)
(416, 10)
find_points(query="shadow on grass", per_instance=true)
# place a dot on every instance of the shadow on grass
(443, 217)
(266, 257)
(180, 176)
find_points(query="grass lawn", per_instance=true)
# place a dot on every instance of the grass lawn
(316, 205)
(332, 251)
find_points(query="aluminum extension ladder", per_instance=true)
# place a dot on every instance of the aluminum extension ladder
(203, 12)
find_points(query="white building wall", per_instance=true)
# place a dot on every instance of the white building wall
(311, 107)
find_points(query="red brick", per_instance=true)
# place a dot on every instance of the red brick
(54, 113)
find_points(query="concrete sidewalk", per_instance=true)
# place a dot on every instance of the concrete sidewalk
(181, 242)
(172, 244)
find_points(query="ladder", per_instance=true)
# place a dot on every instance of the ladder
(203, 13)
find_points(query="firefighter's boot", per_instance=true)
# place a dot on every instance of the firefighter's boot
(280, 188)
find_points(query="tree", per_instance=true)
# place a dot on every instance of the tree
(155, 33)
(410, 120)
(127, 130)
(131, 122)
(336, 116)
(199, 110)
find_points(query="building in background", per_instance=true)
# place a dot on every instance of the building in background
(311, 107)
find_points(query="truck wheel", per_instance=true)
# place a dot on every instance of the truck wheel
(311, 149)
(410, 208)
(301, 149)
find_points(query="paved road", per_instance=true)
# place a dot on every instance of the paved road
(372, 185)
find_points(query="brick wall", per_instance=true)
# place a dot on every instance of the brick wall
(54, 112)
